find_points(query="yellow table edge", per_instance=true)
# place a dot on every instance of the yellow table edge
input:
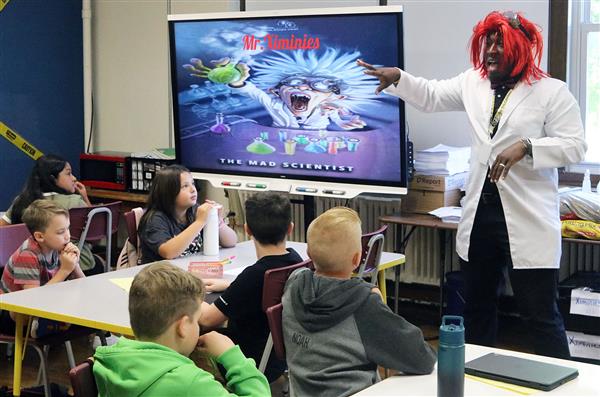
(390, 264)
(67, 319)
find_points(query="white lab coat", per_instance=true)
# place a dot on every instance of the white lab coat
(547, 113)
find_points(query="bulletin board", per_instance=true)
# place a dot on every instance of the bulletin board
(41, 80)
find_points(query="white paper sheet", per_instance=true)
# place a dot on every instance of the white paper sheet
(124, 283)
(583, 345)
(585, 302)
(233, 272)
(448, 214)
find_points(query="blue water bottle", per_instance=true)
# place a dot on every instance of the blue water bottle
(451, 358)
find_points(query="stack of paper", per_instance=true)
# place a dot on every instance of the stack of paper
(442, 160)
(448, 214)
(160, 153)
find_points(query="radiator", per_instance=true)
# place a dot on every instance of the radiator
(423, 257)
(369, 208)
(579, 257)
(422, 253)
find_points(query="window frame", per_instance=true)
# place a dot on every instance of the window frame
(580, 25)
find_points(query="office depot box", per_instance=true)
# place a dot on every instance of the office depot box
(438, 183)
(423, 201)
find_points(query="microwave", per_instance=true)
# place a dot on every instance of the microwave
(104, 170)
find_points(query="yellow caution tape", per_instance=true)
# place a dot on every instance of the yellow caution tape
(17, 139)
(3, 4)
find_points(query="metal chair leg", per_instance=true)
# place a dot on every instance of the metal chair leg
(70, 356)
(43, 371)
(266, 354)
(286, 387)
(40, 373)
(291, 389)
(10, 350)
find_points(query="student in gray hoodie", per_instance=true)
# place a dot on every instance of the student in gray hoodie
(337, 329)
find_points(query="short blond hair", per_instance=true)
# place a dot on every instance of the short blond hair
(39, 214)
(333, 238)
(160, 295)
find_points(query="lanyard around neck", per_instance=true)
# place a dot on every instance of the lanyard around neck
(496, 118)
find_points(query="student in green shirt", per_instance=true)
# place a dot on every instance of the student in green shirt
(164, 310)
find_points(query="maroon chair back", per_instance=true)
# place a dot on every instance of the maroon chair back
(274, 282)
(95, 223)
(97, 227)
(11, 238)
(82, 379)
(275, 319)
(131, 228)
(370, 257)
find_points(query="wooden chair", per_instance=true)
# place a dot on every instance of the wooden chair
(82, 379)
(272, 292)
(95, 223)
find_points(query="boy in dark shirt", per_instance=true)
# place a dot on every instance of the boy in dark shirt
(268, 222)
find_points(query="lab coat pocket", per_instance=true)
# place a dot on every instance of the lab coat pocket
(527, 122)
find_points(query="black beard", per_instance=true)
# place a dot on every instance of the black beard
(497, 76)
(498, 79)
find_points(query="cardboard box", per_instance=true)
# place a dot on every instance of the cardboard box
(423, 201)
(438, 183)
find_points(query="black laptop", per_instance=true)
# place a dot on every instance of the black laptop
(520, 371)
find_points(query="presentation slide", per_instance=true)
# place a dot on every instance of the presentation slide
(284, 97)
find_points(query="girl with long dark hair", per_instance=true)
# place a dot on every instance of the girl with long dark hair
(173, 220)
(52, 179)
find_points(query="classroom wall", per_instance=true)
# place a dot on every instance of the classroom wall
(436, 47)
(41, 95)
(41, 85)
(131, 70)
(131, 73)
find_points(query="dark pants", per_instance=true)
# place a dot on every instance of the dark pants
(253, 349)
(7, 324)
(535, 290)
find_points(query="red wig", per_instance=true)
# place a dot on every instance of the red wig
(522, 43)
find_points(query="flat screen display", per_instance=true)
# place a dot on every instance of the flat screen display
(280, 96)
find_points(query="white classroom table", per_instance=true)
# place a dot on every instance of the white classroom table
(98, 303)
(586, 384)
